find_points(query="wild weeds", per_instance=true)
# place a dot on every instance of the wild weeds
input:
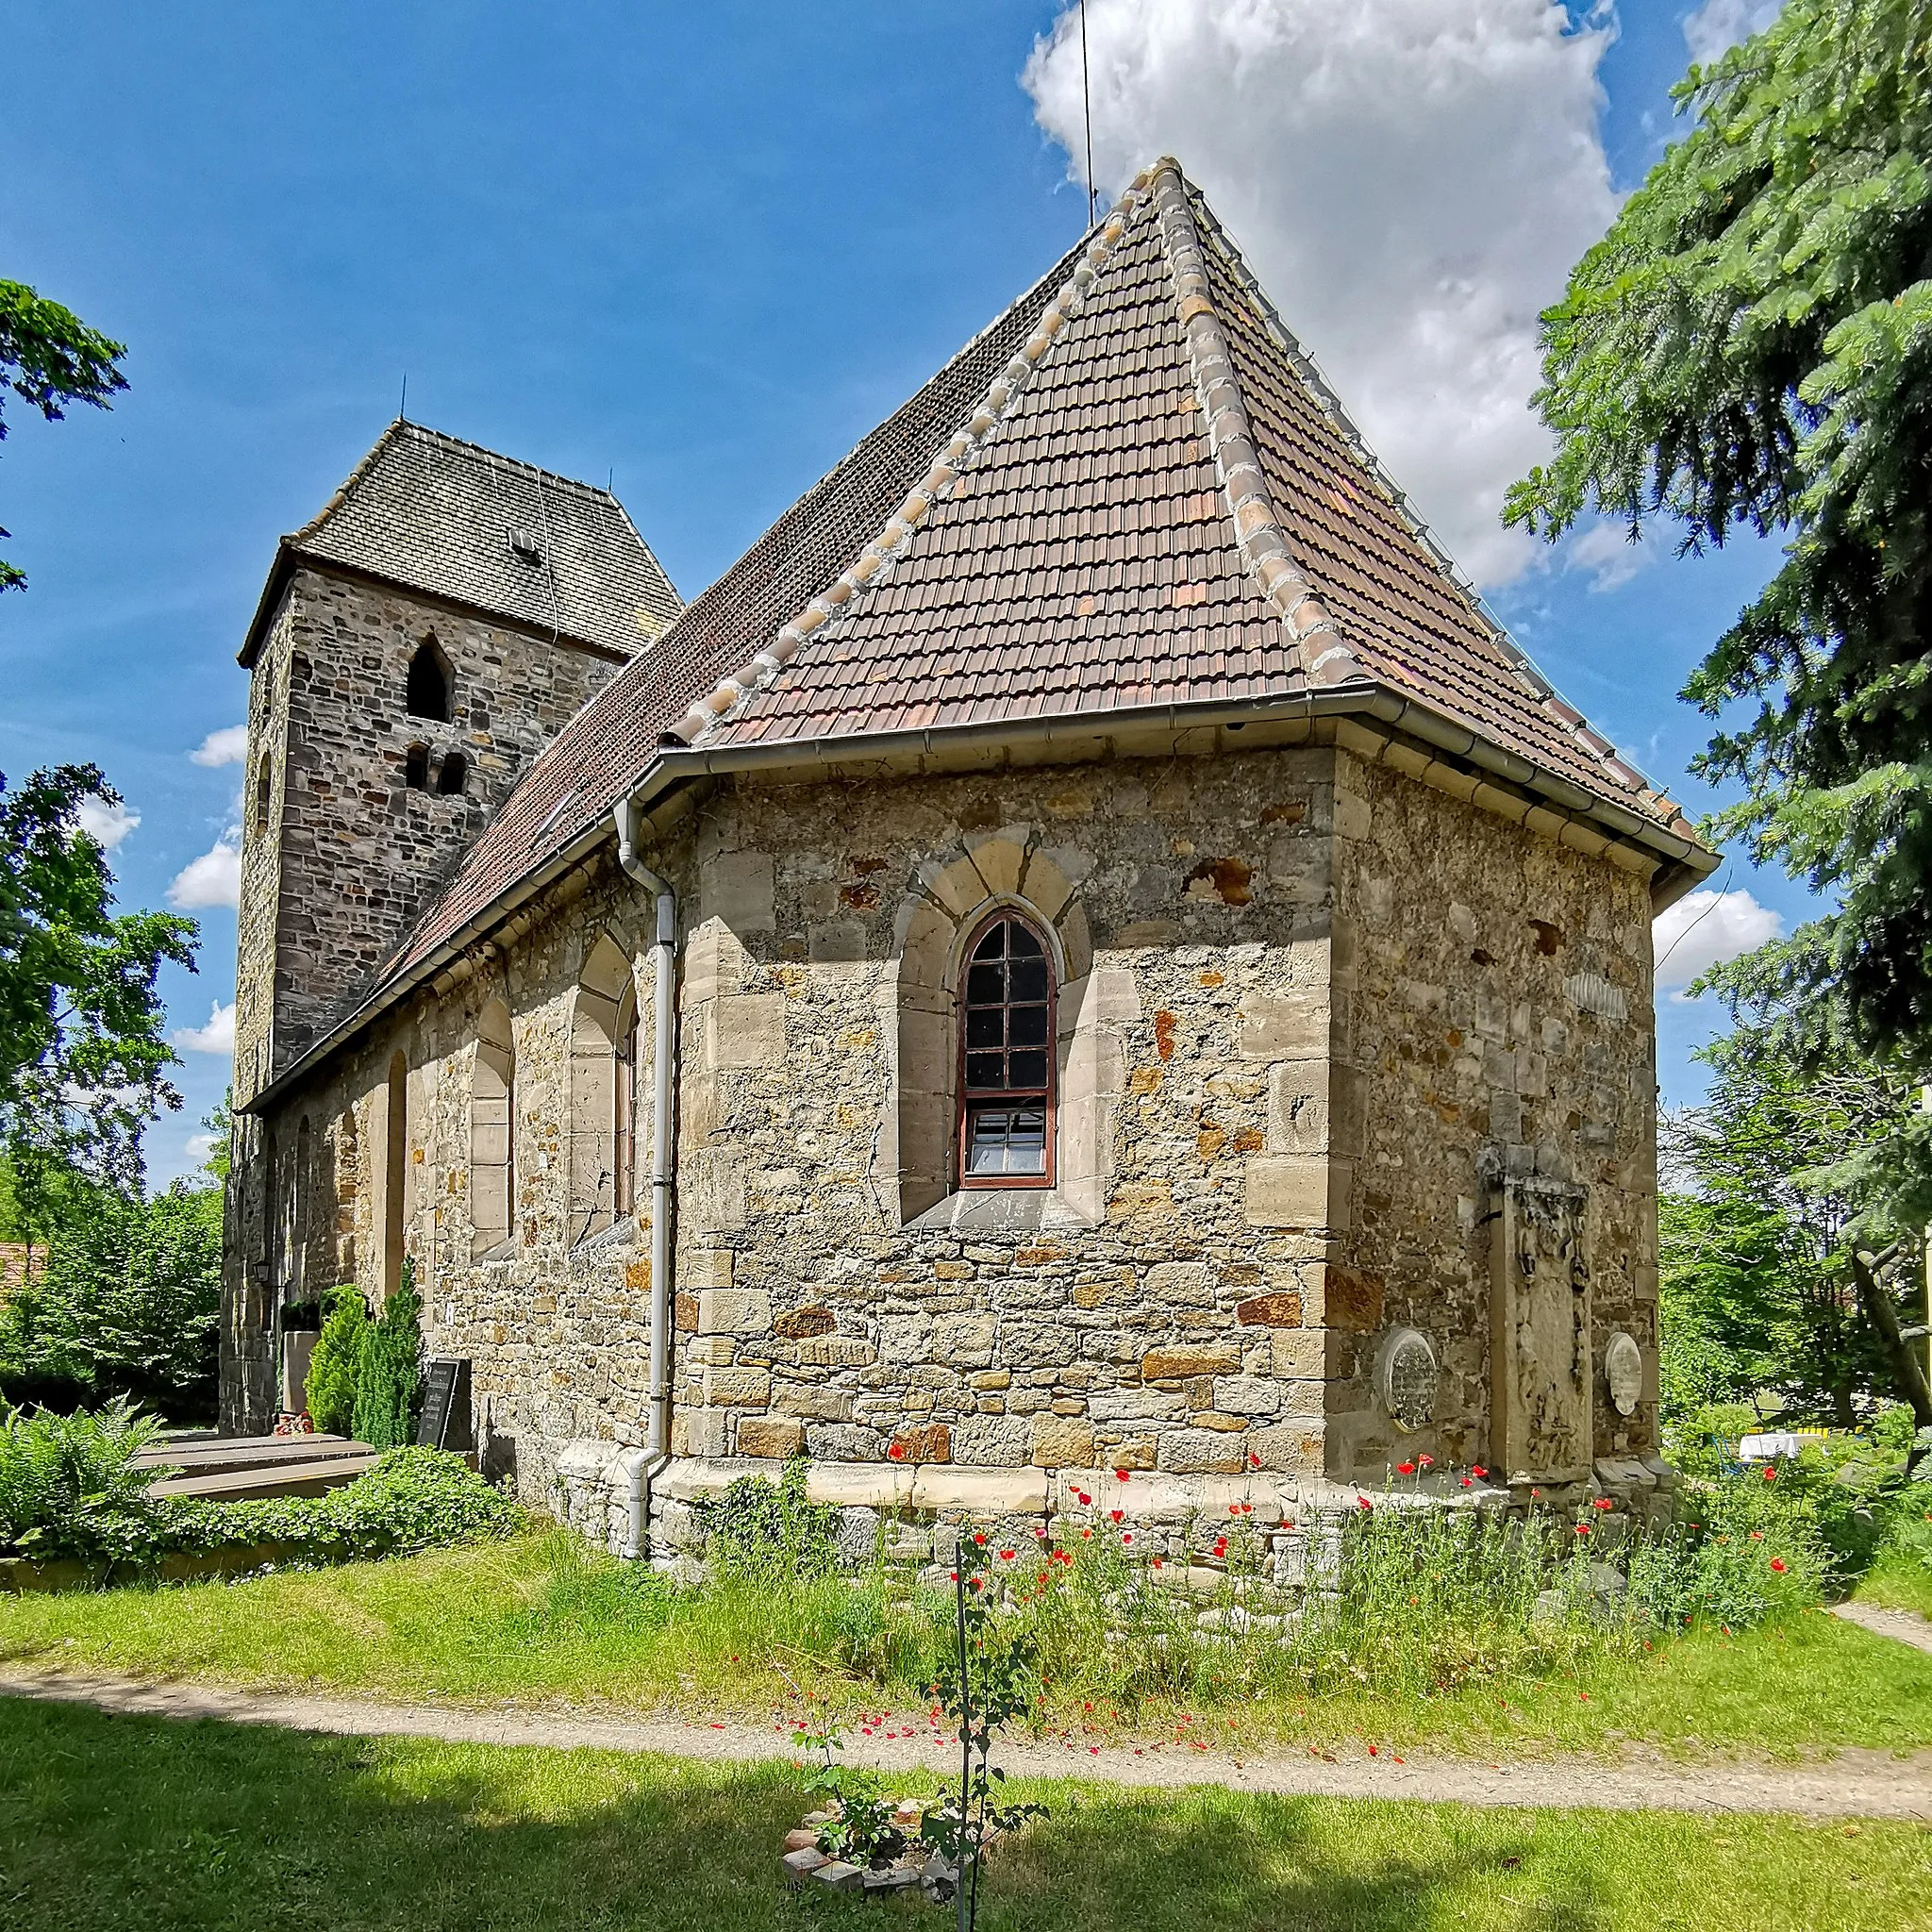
(1400, 1596)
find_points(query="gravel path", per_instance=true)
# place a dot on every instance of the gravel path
(1852, 1783)
(1906, 1625)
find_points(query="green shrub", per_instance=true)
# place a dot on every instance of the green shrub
(413, 1499)
(330, 1390)
(389, 1371)
(69, 1485)
(759, 1525)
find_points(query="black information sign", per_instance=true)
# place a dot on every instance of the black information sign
(445, 1423)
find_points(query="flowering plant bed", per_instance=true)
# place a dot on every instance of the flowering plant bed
(898, 1861)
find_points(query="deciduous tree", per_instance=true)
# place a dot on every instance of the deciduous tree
(50, 358)
(83, 1057)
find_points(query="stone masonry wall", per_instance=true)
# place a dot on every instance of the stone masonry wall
(1497, 1020)
(339, 853)
(1284, 1072)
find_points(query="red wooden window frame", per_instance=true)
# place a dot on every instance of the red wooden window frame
(972, 1100)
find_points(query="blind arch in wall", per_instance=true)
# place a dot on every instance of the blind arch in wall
(493, 1131)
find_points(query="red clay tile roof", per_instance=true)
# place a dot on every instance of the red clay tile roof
(1132, 489)
(1095, 545)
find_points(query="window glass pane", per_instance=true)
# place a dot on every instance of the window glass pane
(1026, 1025)
(985, 1072)
(993, 945)
(1021, 943)
(1027, 1069)
(1026, 1141)
(1001, 1140)
(983, 1027)
(1028, 980)
(986, 986)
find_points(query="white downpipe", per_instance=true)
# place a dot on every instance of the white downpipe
(664, 1145)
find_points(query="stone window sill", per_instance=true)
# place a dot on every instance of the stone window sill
(620, 1234)
(1004, 1211)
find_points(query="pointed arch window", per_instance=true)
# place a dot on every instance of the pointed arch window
(427, 692)
(1006, 1059)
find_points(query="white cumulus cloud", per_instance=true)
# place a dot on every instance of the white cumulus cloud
(214, 878)
(227, 746)
(1605, 551)
(1703, 929)
(218, 1036)
(1411, 181)
(1719, 25)
(105, 824)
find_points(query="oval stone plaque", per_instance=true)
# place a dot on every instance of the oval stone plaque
(1624, 1374)
(1409, 1378)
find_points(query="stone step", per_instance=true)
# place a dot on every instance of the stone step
(280, 1479)
(237, 1454)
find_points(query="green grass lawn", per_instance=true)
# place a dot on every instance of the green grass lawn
(113, 1821)
(535, 1621)
(1901, 1583)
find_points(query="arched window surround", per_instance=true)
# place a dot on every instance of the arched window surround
(603, 1088)
(1007, 1081)
(395, 1172)
(493, 1131)
(914, 1168)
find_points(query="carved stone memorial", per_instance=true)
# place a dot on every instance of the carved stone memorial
(1540, 1353)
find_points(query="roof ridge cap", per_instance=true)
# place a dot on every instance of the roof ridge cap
(876, 557)
(1528, 674)
(1259, 533)
(496, 456)
(340, 496)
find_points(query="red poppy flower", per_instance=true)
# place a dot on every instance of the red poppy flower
(1426, 1461)
(1127, 1535)
(1583, 1529)
(1082, 1498)
(980, 1536)
(1364, 1502)
(1777, 1563)
(897, 1451)
(1405, 1469)
(1476, 1470)
(1086, 1532)
(1253, 1460)
(1157, 1562)
(1006, 1555)
(1465, 1482)
(1040, 1534)
(1116, 1514)
(1120, 1475)
(1771, 1472)
(1603, 1502)
(1234, 1508)
(1757, 1536)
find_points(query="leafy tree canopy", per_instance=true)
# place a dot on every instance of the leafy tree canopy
(83, 1058)
(127, 1303)
(1751, 346)
(1769, 1183)
(50, 358)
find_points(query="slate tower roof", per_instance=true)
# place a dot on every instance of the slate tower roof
(432, 514)
(1131, 493)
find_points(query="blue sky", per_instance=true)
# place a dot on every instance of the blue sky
(701, 250)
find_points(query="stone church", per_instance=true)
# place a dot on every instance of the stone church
(1086, 949)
